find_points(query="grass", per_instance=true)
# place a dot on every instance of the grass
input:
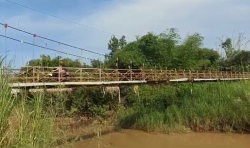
(40, 120)
(223, 106)
(30, 127)
(6, 106)
(33, 120)
(24, 120)
(24, 124)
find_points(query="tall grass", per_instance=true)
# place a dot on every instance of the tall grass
(24, 121)
(40, 119)
(222, 106)
(7, 103)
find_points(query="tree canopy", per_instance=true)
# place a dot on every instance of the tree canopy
(162, 51)
(165, 51)
(47, 61)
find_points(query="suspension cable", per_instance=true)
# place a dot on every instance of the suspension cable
(6, 37)
(52, 40)
(5, 42)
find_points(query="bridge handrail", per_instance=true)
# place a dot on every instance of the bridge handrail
(40, 73)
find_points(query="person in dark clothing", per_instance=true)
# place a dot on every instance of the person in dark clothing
(59, 71)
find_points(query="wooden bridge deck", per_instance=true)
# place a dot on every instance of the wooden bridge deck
(73, 84)
(39, 76)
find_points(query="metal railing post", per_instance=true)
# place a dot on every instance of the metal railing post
(33, 74)
(131, 75)
(190, 75)
(81, 74)
(59, 75)
(38, 74)
(100, 74)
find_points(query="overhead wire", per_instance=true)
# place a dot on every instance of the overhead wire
(5, 42)
(22, 51)
(34, 47)
(21, 5)
(61, 43)
(44, 47)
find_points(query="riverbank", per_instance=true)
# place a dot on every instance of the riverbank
(47, 120)
(223, 107)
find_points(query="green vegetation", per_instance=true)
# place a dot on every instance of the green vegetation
(170, 50)
(31, 120)
(47, 61)
(173, 52)
(198, 107)
(211, 106)
(26, 120)
(40, 120)
(91, 102)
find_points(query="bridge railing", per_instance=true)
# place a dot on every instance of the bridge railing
(49, 74)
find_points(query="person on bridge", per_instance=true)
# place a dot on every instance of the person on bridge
(61, 68)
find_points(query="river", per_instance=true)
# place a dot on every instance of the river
(140, 139)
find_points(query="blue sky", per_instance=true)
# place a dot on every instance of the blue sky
(211, 18)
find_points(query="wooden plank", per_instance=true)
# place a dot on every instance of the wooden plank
(51, 90)
(205, 80)
(73, 83)
(179, 80)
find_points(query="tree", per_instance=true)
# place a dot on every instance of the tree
(122, 42)
(233, 47)
(163, 51)
(171, 34)
(116, 44)
(96, 63)
(157, 50)
(228, 48)
(113, 45)
(207, 58)
(148, 45)
(186, 54)
(209, 54)
(46, 61)
(194, 41)
(130, 55)
(242, 59)
(169, 39)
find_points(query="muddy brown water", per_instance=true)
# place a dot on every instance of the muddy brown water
(139, 139)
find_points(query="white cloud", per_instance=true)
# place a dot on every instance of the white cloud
(140, 16)
(211, 18)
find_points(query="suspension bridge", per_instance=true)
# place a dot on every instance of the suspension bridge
(41, 76)
(54, 77)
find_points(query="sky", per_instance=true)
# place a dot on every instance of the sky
(210, 18)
